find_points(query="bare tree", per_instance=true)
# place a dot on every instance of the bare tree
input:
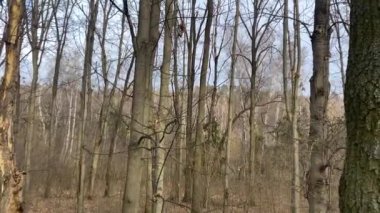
(61, 36)
(85, 97)
(319, 94)
(145, 46)
(163, 109)
(230, 110)
(198, 183)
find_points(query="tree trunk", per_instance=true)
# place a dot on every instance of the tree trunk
(319, 94)
(231, 99)
(61, 41)
(163, 109)
(360, 183)
(191, 52)
(103, 116)
(198, 182)
(85, 98)
(11, 178)
(120, 108)
(147, 36)
(296, 69)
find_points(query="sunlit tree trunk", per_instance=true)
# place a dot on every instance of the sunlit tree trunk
(11, 178)
(198, 181)
(360, 183)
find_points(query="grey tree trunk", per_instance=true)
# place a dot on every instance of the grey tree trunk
(103, 117)
(360, 183)
(191, 52)
(319, 94)
(163, 109)
(147, 36)
(115, 129)
(61, 35)
(198, 182)
(37, 39)
(85, 105)
(231, 99)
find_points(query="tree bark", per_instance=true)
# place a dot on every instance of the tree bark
(61, 41)
(163, 108)
(198, 183)
(85, 98)
(319, 94)
(11, 178)
(191, 52)
(104, 109)
(231, 99)
(147, 37)
(360, 183)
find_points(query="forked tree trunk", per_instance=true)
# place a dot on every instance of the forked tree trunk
(147, 36)
(11, 178)
(360, 183)
(198, 181)
(319, 94)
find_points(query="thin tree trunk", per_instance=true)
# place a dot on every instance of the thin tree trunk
(360, 183)
(85, 99)
(231, 99)
(198, 183)
(191, 52)
(41, 12)
(163, 108)
(319, 94)
(296, 185)
(61, 41)
(102, 123)
(120, 108)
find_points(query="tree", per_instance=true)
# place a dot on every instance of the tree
(144, 47)
(37, 32)
(319, 94)
(198, 183)
(11, 178)
(292, 58)
(61, 36)
(85, 100)
(360, 182)
(104, 109)
(230, 110)
(163, 109)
